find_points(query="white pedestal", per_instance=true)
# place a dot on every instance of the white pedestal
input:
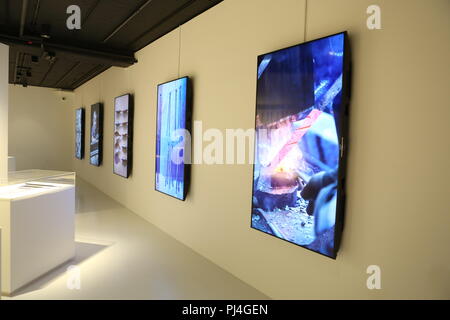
(37, 232)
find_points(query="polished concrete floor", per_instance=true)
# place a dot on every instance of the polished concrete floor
(121, 256)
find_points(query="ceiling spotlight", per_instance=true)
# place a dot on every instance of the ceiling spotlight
(45, 31)
(49, 56)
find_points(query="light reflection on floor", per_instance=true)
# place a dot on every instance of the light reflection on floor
(122, 256)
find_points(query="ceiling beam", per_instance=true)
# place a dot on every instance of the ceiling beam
(64, 77)
(160, 22)
(88, 75)
(23, 17)
(36, 13)
(120, 26)
(88, 14)
(97, 54)
(50, 67)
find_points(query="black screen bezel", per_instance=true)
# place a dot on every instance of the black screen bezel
(343, 147)
(83, 134)
(98, 105)
(130, 134)
(188, 127)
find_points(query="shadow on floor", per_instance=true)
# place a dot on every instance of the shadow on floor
(83, 251)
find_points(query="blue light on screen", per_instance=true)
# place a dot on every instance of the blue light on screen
(171, 116)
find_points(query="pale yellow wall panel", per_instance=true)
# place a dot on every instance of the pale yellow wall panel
(397, 214)
(41, 128)
(398, 177)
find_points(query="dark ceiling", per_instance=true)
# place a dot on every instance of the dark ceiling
(44, 52)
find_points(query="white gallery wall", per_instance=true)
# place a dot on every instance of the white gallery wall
(397, 213)
(40, 128)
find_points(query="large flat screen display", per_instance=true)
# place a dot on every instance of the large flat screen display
(172, 125)
(123, 132)
(96, 140)
(301, 111)
(79, 133)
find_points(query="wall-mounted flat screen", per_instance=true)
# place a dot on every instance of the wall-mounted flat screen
(123, 130)
(172, 145)
(301, 111)
(96, 140)
(79, 133)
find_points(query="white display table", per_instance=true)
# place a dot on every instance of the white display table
(37, 218)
